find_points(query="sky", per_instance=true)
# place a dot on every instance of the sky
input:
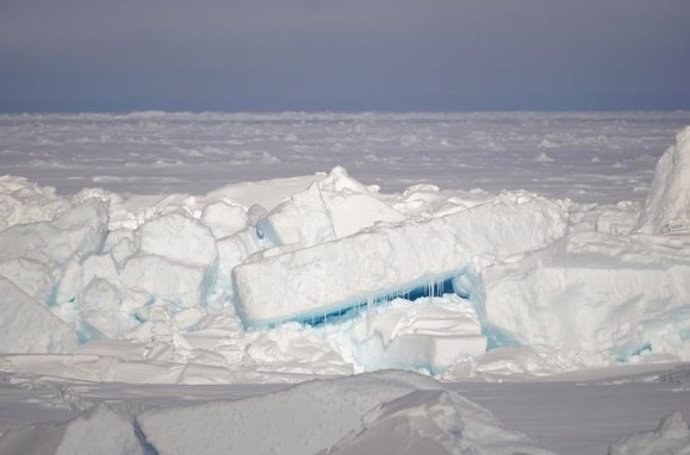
(344, 55)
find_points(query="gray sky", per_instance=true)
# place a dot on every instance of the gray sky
(449, 55)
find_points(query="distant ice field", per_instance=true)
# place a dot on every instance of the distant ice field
(588, 157)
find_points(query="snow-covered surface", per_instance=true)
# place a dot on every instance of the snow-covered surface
(589, 157)
(323, 275)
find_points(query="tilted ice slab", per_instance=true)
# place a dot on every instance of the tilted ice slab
(26, 326)
(390, 260)
(667, 208)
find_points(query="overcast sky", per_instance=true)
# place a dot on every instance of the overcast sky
(439, 55)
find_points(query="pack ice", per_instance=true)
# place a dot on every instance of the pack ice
(324, 275)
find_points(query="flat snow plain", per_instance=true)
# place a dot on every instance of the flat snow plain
(545, 239)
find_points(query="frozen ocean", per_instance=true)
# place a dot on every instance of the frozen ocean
(345, 283)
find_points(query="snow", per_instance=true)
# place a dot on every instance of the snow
(321, 276)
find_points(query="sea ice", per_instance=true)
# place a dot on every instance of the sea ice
(539, 277)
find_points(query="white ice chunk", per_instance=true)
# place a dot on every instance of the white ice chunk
(339, 274)
(234, 250)
(24, 202)
(302, 220)
(178, 237)
(421, 422)
(339, 180)
(173, 283)
(429, 333)
(224, 219)
(667, 208)
(352, 212)
(597, 297)
(98, 266)
(98, 431)
(77, 232)
(27, 326)
(120, 244)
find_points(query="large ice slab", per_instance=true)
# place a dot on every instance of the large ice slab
(176, 284)
(597, 297)
(384, 260)
(429, 333)
(180, 238)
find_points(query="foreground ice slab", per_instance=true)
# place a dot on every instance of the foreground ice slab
(387, 413)
(392, 260)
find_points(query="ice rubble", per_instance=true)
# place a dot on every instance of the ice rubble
(558, 285)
